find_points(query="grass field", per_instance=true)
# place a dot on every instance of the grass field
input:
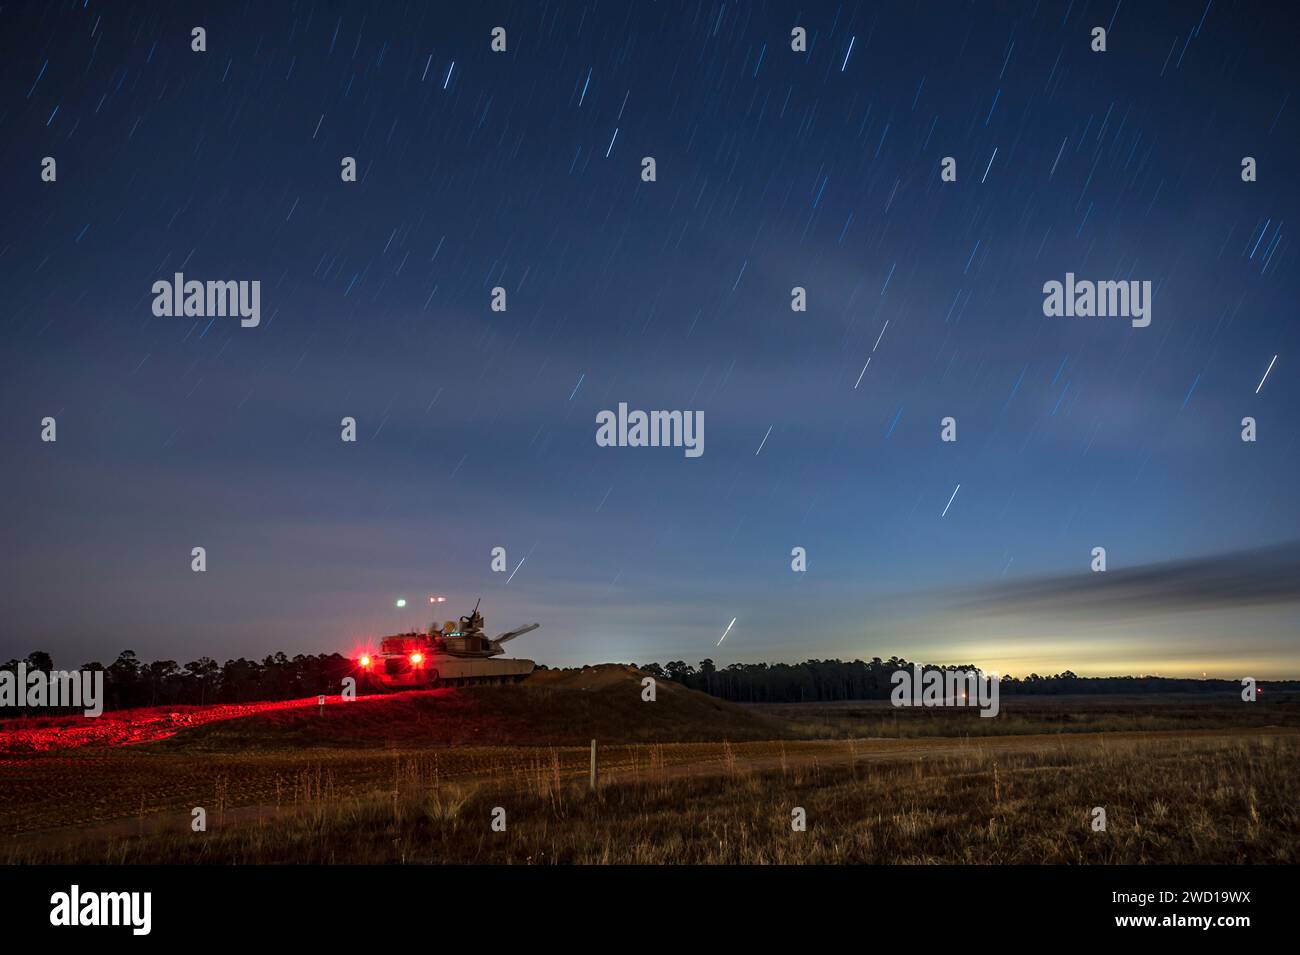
(416, 778)
(1041, 714)
(1213, 798)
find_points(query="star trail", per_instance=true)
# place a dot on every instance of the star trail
(522, 170)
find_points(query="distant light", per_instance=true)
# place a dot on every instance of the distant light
(437, 600)
(401, 601)
(365, 661)
(417, 658)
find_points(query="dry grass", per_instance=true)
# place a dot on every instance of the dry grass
(1022, 715)
(1188, 800)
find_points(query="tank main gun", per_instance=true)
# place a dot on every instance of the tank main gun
(510, 635)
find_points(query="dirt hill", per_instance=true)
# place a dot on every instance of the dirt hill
(561, 707)
(551, 707)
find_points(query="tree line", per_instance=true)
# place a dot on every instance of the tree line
(130, 682)
(818, 681)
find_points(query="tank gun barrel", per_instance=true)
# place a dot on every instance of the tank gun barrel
(510, 635)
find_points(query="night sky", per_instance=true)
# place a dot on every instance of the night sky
(775, 169)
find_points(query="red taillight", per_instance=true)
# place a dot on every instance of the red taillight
(365, 661)
(417, 658)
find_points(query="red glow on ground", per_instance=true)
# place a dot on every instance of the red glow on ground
(34, 734)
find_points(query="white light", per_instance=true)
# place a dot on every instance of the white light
(725, 632)
(1265, 378)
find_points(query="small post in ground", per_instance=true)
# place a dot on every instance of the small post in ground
(593, 765)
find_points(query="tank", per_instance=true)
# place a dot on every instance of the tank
(454, 654)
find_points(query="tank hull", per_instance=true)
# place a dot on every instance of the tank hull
(435, 671)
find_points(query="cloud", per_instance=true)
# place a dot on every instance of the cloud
(1234, 579)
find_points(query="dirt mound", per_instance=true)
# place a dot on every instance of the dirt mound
(551, 707)
(590, 677)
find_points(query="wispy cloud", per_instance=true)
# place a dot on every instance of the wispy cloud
(1235, 579)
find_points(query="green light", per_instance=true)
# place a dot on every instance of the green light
(401, 601)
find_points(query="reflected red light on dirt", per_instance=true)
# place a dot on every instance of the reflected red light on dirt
(34, 734)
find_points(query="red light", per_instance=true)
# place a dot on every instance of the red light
(417, 658)
(365, 661)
